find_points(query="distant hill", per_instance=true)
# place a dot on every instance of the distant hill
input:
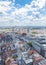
(28, 27)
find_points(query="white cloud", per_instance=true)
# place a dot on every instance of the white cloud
(4, 6)
(27, 15)
(38, 3)
(41, 3)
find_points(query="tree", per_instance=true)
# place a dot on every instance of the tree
(30, 44)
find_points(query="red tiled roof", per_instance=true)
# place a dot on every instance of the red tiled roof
(14, 64)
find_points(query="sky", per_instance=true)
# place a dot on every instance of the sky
(22, 13)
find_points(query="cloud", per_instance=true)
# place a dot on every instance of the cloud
(4, 6)
(29, 15)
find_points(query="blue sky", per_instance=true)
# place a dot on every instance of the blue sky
(23, 13)
(23, 2)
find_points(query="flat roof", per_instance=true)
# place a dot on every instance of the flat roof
(28, 61)
(42, 42)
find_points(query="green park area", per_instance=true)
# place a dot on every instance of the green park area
(34, 32)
